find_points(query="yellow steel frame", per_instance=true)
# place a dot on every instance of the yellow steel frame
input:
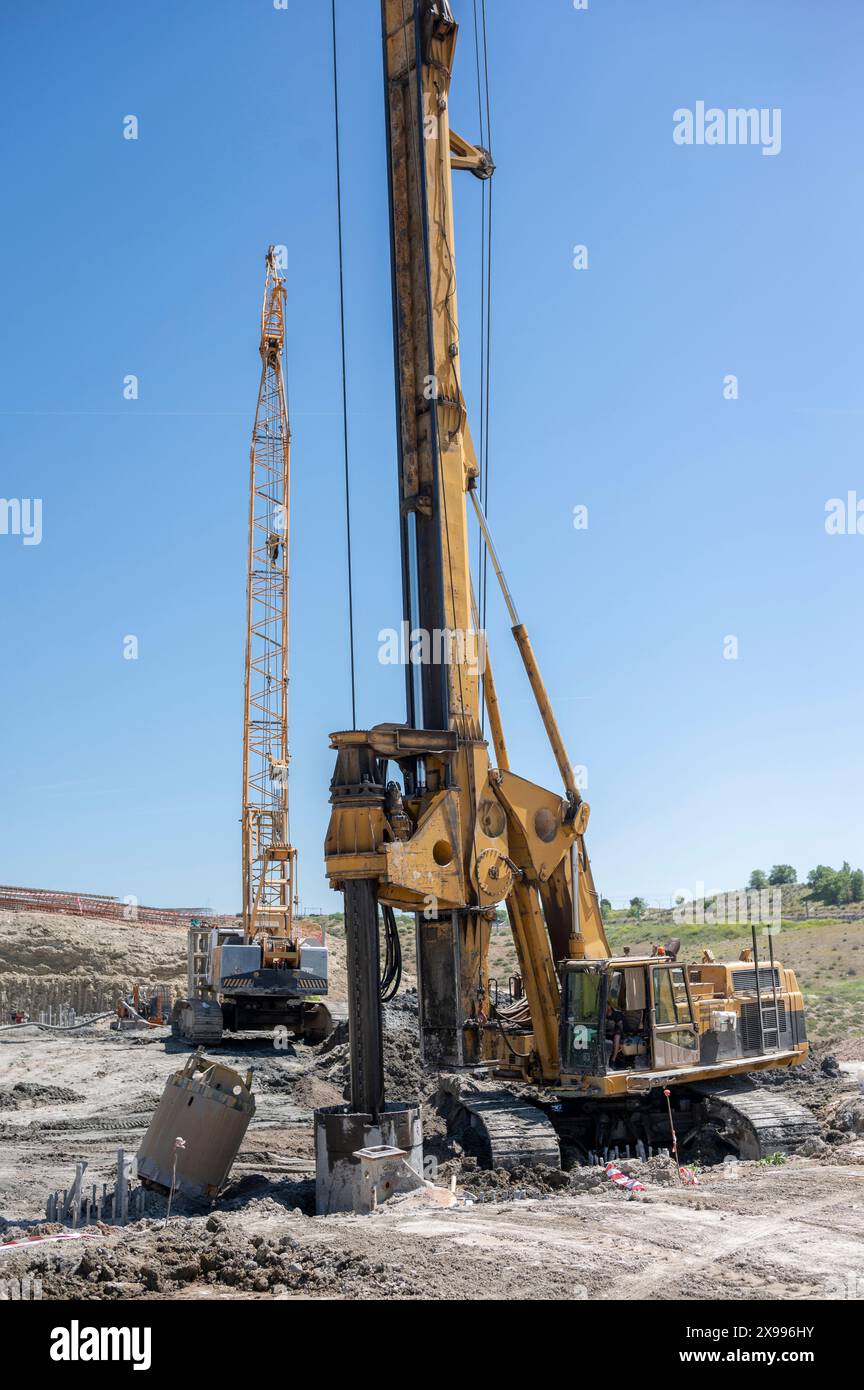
(269, 859)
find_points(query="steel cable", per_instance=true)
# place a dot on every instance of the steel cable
(344, 371)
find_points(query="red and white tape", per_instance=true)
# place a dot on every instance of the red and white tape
(44, 1240)
(621, 1180)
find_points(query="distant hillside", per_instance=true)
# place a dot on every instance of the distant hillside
(796, 900)
(826, 951)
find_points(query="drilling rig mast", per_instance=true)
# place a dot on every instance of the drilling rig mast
(453, 835)
(269, 859)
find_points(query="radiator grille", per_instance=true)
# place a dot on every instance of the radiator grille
(746, 979)
(751, 1036)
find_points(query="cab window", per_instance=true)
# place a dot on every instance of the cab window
(679, 996)
(670, 997)
(581, 1040)
(664, 1004)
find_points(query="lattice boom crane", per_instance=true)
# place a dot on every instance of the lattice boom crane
(263, 976)
(269, 859)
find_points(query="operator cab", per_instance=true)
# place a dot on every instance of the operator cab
(626, 1014)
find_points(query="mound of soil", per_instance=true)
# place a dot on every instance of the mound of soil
(847, 1114)
(31, 1093)
(503, 1185)
(405, 1076)
(820, 1085)
(160, 1261)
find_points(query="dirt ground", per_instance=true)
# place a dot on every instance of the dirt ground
(787, 1231)
(774, 1230)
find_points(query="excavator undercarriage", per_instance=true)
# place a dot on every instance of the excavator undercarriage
(713, 1121)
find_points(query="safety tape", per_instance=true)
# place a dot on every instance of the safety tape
(621, 1180)
(44, 1240)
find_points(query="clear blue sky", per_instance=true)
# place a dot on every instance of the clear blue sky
(706, 516)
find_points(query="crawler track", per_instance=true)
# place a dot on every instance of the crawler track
(515, 1131)
(197, 1021)
(750, 1121)
(756, 1121)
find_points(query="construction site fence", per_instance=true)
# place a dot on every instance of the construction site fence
(99, 905)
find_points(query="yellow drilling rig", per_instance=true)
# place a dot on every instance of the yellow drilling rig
(424, 820)
(262, 976)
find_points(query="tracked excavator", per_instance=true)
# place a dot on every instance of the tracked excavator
(426, 819)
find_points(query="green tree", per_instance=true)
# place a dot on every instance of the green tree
(782, 874)
(605, 909)
(844, 884)
(833, 886)
(857, 885)
(637, 907)
(758, 880)
(822, 882)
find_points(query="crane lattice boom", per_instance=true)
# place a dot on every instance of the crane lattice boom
(269, 860)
